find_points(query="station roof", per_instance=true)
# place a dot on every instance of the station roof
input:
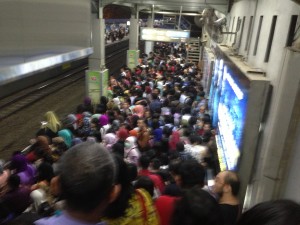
(172, 6)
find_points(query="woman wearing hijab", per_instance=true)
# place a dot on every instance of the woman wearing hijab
(50, 126)
(131, 151)
(104, 124)
(67, 136)
(25, 171)
(109, 140)
(84, 129)
(87, 104)
(118, 148)
(39, 149)
(139, 110)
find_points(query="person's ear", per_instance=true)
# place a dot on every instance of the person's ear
(226, 188)
(114, 193)
(178, 180)
(55, 187)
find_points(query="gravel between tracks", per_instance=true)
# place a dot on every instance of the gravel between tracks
(17, 130)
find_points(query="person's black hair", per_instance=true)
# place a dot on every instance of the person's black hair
(206, 136)
(192, 120)
(155, 164)
(13, 181)
(134, 120)
(191, 174)
(186, 110)
(177, 96)
(206, 118)
(173, 155)
(145, 183)
(167, 131)
(193, 138)
(188, 132)
(144, 161)
(168, 119)
(179, 146)
(196, 207)
(232, 179)
(151, 153)
(118, 207)
(157, 89)
(132, 171)
(118, 149)
(277, 212)
(45, 172)
(155, 116)
(101, 109)
(155, 124)
(172, 91)
(96, 122)
(103, 100)
(154, 96)
(80, 109)
(201, 94)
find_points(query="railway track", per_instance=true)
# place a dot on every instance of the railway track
(115, 59)
(22, 99)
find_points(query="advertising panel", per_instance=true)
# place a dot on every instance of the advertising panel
(228, 103)
(132, 58)
(93, 85)
(165, 35)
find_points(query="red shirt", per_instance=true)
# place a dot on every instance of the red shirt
(158, 182)
(165, 207)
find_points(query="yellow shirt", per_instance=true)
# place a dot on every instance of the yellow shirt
(140, 211)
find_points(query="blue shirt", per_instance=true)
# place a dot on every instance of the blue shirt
(63, 219)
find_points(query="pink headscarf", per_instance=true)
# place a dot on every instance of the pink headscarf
(109, 140)
(139, 110)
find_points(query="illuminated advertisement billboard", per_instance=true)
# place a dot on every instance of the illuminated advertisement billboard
(228, 104)
(164, 35)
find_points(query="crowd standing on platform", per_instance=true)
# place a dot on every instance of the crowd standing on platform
(142, 155)
(115, 33)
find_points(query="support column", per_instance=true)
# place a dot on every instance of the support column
(149, 45)
(133, 52)
(102, 39)
(97, 75)
(134, 33)
(97, 59)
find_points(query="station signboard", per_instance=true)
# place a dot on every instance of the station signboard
(165, 35)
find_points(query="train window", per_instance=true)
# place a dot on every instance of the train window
(232, 25)
(258, 35)
(249, 32)
(271, 35)
(292, 31)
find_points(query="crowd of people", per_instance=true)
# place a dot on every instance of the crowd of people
(115, 34)
(138, 156)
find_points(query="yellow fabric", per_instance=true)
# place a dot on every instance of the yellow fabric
(134, 214)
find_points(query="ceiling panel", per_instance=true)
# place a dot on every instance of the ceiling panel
(175, 5)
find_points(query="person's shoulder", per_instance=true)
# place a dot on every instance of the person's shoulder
(53, 220)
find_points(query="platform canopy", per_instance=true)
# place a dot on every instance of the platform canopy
(192, 7)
